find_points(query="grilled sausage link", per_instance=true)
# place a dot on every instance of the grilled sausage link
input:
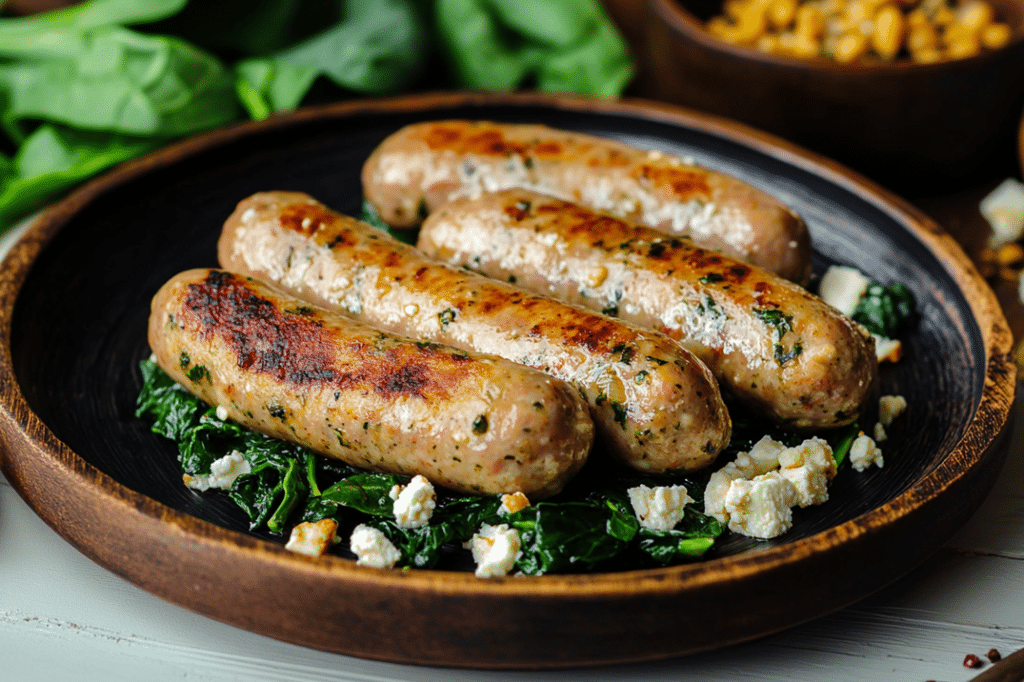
(654, 405)
(779, 348)
(466, 421)
(423, 165)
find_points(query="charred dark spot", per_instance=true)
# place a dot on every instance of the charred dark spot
(306, 218)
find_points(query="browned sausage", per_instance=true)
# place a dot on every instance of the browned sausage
(421, 166)
(466, 421)
(654, 405)
(776, 346)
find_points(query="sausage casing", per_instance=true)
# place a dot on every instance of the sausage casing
(466, 421)
(779, 348)
(654, 405)
(423, 165)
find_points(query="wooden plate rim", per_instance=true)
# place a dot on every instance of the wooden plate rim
(20, 424)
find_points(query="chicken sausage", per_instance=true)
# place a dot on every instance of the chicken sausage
(654, 405)
(470, 422)
(779, 348)
(423, 165)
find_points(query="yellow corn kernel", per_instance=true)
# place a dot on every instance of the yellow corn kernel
(888, 33)
(995, 36)
(928, 55)
(733, 8)
(917, 18)
(768, 43)
(850, 47)
(962, 48)
(922, 37)
(943, 16)
(781, 13)
(719, 27)
(809, 22)
(805, 47)
(750, 26)
(975, 15)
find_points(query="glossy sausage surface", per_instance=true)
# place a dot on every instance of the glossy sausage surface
(466, 421)
(423, 165)
(654, 405)
(779, 348)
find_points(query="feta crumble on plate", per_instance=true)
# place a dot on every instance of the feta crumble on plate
(223, 473)
(495, 550)
(661, 507)
(372, 548)
(864, 452)
(313, 538)
(414, 502)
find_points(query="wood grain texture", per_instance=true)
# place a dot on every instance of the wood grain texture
(74, 297)
(904, 125)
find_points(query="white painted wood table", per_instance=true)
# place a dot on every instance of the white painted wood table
(62, 617)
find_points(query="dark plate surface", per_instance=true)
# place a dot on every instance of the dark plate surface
(90, 266)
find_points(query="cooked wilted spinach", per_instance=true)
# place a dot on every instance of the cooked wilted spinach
(589, 526)
(885, 309)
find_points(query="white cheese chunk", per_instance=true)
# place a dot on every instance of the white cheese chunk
(761, 507)
(1003, 208)
(716, 490)
(222, 413)
(313, 538)
(809, 467)
(842, 287)
(890, 407)
(372, 548)
(761, 458)
(864, 452)
(495, 550)
(887, 349)
(223, 473)
(661, 507)
(513, 502)
(414, 503)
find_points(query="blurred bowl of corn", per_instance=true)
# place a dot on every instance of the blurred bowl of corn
(916, 94)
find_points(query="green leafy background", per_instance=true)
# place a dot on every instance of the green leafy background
(85, 88)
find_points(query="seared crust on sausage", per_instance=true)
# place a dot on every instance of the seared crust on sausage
(779, 348)
(466, 421)
(654, 404)
(423, 165)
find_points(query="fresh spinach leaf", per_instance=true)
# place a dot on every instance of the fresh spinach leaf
(367, 492)
(885, 310)
(565, 537)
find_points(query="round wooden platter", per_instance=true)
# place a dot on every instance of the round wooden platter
(74, 298)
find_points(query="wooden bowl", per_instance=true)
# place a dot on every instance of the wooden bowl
(908, 126)
(74, 302)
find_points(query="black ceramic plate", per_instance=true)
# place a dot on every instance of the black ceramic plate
(89, 268)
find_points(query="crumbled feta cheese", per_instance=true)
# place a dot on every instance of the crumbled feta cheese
(761, 507)
(222, 413)
(887, 349)
(513, 502)
(414, 503)
(313, 538)
(495, 550)
(809, 467)
(661, 507)
(716, 490)
(761, 458)
(890, 407)
(223, 473)
(372, 548)
(864, 453)
(1003, 208)
(879, 433)
(842, 288)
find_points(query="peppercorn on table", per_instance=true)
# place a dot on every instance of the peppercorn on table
(62, 615)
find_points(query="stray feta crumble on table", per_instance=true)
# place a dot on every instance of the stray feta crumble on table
(661, 507)
(495, 550)
(372, 548)
(414, 502)
(864, 452)
(1003, 208)
(313, 538)
(223, 473)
